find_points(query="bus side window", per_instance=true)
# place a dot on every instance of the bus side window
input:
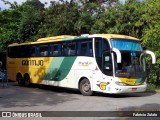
(64, 49)
(90, 49)
(55, 53)
(105, 45)
(102, 45)
(51, 49)
(59, 49)
(85, 48)
(78, 48)
(13, 52)
(72, 49)
(54, 49)
(43, 50)
(32, 52)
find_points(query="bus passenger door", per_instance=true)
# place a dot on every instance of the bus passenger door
(103, 74)
(103, 66)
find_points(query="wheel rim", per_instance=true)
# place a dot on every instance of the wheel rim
(86, 87)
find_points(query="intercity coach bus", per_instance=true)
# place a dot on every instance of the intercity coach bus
(107, 63)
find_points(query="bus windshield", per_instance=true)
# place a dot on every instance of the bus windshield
(132, 65)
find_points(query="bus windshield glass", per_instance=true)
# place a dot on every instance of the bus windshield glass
(132, 65)
(133, 62)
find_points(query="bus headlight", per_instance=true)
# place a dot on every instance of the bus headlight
(120, 83)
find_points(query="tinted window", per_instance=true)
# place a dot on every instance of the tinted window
(55, 49)
(84, 48)
(68, 48)
(32, 51)
(43, 50)
(101, 45)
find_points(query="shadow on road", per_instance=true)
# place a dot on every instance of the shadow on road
(52, 89)
(124, 95)
(74, 91)
(17, 96)
(37, 95)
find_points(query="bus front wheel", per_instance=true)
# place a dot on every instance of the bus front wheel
(85, 87)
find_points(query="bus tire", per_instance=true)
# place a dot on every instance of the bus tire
(85, 87)
(20, 79)
(26, 80)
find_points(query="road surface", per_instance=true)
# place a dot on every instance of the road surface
(47, 98)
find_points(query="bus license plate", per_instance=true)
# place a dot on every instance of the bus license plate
(134, 89)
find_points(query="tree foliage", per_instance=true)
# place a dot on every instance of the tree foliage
(31, 20)
(31, 17)
(8, 28)
(151, 37)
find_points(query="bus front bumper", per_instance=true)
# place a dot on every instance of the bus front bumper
(128, 89)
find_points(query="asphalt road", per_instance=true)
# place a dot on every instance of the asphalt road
(48, 98)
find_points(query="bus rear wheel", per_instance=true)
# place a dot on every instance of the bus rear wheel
(26, 80)
(85, 87)
(20, 80)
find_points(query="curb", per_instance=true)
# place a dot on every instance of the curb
(153, 91)
(157, 91)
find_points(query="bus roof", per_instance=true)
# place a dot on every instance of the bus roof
(55, 38)
(109, 36)
(47, 39)
(70, 37)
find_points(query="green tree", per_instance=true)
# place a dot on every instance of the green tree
(86, 18)
(9, 23)
(123, 19)
(59, 19)
(20, 23)
(74, 17)
(151, 37)
(31, 17)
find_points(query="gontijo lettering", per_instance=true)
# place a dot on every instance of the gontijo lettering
(33, 62)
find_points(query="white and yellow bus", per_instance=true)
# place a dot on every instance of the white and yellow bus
(107, 63)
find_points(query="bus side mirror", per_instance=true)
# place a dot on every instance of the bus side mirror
(152, 55)
(118, 54)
